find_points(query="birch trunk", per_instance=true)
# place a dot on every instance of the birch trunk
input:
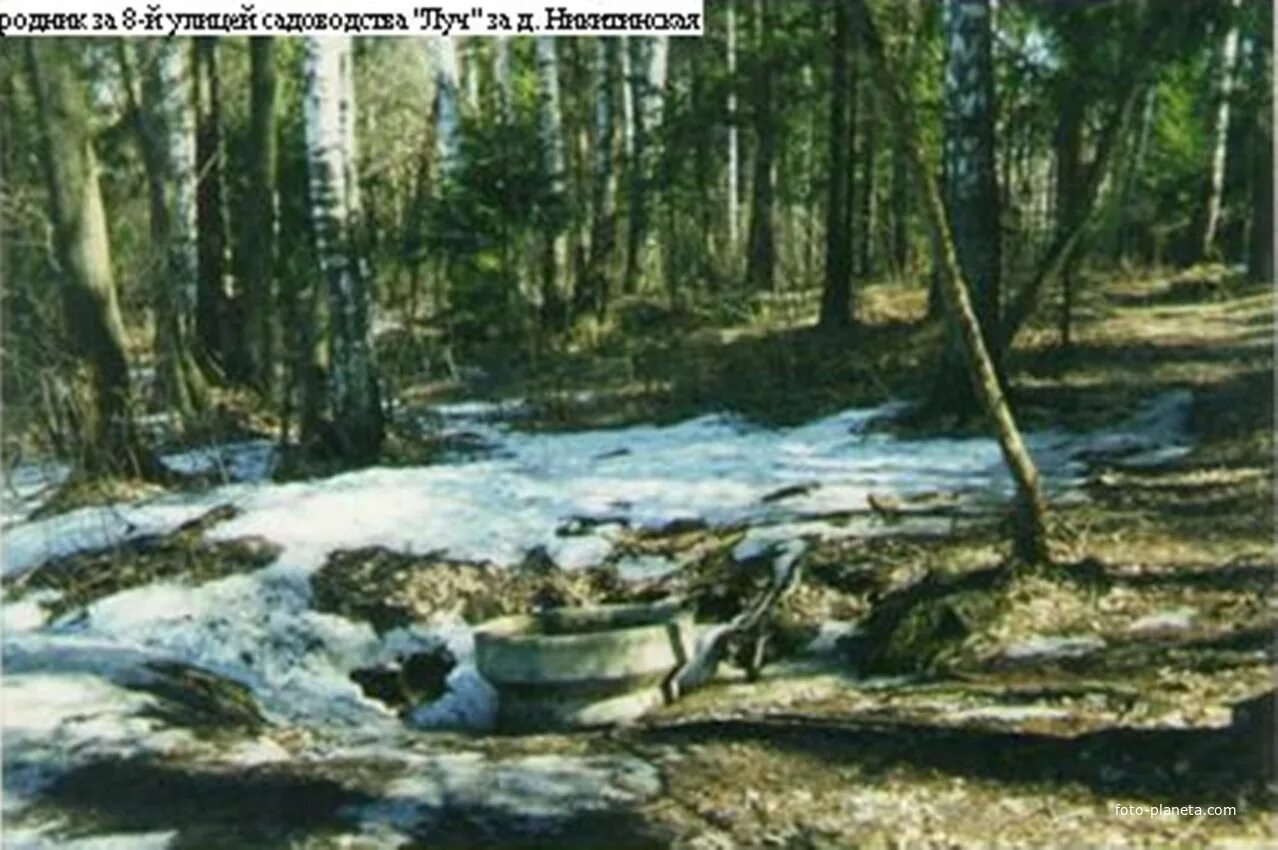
(603, 230)
(353, 394)
(554, 278)
(1207, 218)
(647, 82)
(168, 141)
(442, 54)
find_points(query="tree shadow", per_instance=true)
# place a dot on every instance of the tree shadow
(1177, 766)
(231, 807)
(235, 807)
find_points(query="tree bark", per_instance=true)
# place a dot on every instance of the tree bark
(603, 229)
(1207, 217)
(215, 325)
(836, 297)
(971, 191)
(733, 168)
(1030, 536)
(168, 149)
(554, 271)
(261, 216)
(353, 393)
(442, 53)
(648, 64)
(761, 250)
(83, 254)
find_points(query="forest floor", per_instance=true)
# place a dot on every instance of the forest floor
(1129, 680)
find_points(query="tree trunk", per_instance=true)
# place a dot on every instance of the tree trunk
(1207, 216)
(261, 216)
(648, 81)
(554, 271)
(836, 297)
(603, 229)
(215, 325)
(1066, 241)
(761, 250)
(168, 149)
(733, 168)
(1030, 537)
(353, 394)
(82, 250)
(971, 190)
(442, 52)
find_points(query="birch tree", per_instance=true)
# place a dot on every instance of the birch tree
(603, 229)
(86, 284)
(167, 138)
(554, 271)
(733, 168)
(971, 188)
(647, 81)
(442, 58)
(329, 117)
(1221, 75)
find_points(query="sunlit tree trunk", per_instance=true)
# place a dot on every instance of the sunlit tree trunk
(260, 215)
(82, 250)
(761, 249)
(836, 295)
(1207, 216)
(1030, 537)
(971, 189)
(329, 116)
(167, 138)
(215, 326)
(554, 270)
(442, 53)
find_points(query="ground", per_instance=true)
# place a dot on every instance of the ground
(1126, 676)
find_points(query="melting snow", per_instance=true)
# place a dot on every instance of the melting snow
(260, 628)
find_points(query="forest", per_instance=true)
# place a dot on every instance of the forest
(848, 427)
